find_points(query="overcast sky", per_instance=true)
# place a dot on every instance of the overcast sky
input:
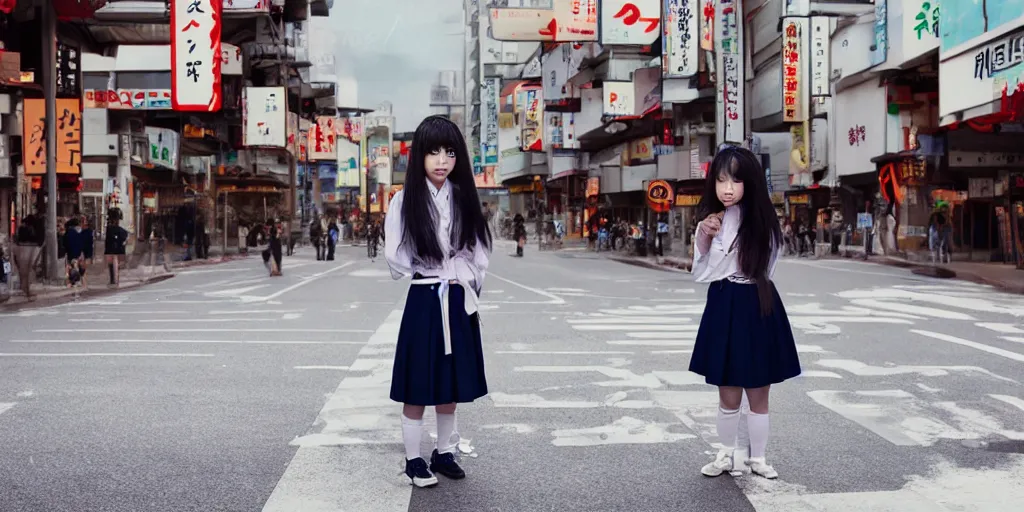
(394, 49)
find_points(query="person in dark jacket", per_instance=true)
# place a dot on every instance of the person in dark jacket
(519, 233)
(115, 245)
(316, 235)
(74, 252)
(333, 233)
(272, 254)
(27, 249)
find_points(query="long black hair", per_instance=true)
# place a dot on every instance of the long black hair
(419, 216)
(759, 235)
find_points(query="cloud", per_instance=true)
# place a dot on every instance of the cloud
(395, 48)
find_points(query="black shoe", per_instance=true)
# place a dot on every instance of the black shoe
(417, 471)
(444, 463)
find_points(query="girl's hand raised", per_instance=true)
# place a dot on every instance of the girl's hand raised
(712, 224)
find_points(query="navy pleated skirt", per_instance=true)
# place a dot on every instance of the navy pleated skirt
(737, 346)
(423, 374)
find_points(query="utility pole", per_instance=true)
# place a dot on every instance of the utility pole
(49, 46)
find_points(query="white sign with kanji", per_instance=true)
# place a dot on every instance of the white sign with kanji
(196, 55)
(630, 21)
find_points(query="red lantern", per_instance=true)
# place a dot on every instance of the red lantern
(6, 6)
(76, 9)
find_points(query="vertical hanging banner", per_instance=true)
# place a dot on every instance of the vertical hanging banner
(322, 142)
(69, 136)
(795, 100)
(196, 55)
(707, 25)
(489, 141)
(680, 39)
(820, 60)
(729, 83)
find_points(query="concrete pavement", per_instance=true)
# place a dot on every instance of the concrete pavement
(222, 389)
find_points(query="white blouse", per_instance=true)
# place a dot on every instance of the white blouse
(464, 265)
(722, 260)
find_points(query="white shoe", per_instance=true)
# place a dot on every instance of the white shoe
(721, 464)
(760, 467)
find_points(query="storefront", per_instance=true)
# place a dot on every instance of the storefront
(684, 215)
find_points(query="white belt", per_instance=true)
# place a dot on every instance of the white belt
(471, 303)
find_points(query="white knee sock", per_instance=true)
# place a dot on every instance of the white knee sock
(742, 433)
(728, 423)
(758, 425)
(412, 433)
(445, 428)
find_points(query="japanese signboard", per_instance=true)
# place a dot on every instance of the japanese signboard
(489, 139)
(322, 141)
(230, 59)
(567, 20)
(264, 117)
(618, 99)
(196, 55)
(660, 196)
(533, 120)
(707, 25)
(69, 136)
(247, 5)
(795, 102)
(630, 21)
(128, 99)
(680, 39)
(163, 147)
(920, 27)
(729, 67)
(820, 63)
(69, 61)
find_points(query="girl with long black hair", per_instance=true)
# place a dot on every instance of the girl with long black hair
(437, 234)
(744, 342)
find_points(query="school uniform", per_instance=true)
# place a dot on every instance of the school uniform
(439, 356)
(736, 345)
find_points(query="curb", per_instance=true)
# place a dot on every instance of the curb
(664, 267)
(18, 303)
(927, 269)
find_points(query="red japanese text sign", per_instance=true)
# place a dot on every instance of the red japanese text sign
(196, 55)
(794, 63)
(630, 21)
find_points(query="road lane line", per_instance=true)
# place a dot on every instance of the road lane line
(972, 344)
(300, 284)
(554, 298)
(53, 331)
(351, 458)
(4, 407)
(320, 367)
(101, 354)
(211, 342)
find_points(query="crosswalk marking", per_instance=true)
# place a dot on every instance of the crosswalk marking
(4, 407)
(360, 418)
(972, 344)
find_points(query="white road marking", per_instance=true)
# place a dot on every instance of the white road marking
(819, 374)
(299, 284)
(564, 352)
(102, 354)
(1012, 400)
(131, 311)
(254, 311)
(864, 370)
(625, 430)
(972, 344)
(622, 376)
(235, 291)
(554, 298)
(212, 342)
(320, 367)
(88, 320)
(1001, 328)
(653, 343)
(4, 407)
(345, 444)
(912, 309)
(200, 330)
(202, 320)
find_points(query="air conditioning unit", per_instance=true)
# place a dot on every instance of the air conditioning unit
(138, 148)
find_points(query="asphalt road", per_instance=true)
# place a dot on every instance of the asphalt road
(225, 390)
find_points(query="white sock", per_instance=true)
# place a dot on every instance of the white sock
(412, 433)
(728, 423)
(445, 428)
(742, 432)
(758, 424)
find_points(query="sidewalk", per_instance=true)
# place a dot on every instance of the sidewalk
(130, 278)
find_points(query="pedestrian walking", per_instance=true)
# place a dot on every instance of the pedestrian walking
(272, 254)
(316, 235)
(519, 233)
(114, 246)
(332, 238)
(27, 252)
(437, 234)
(744, 343)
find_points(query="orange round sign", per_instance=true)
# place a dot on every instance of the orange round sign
(660, 196)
